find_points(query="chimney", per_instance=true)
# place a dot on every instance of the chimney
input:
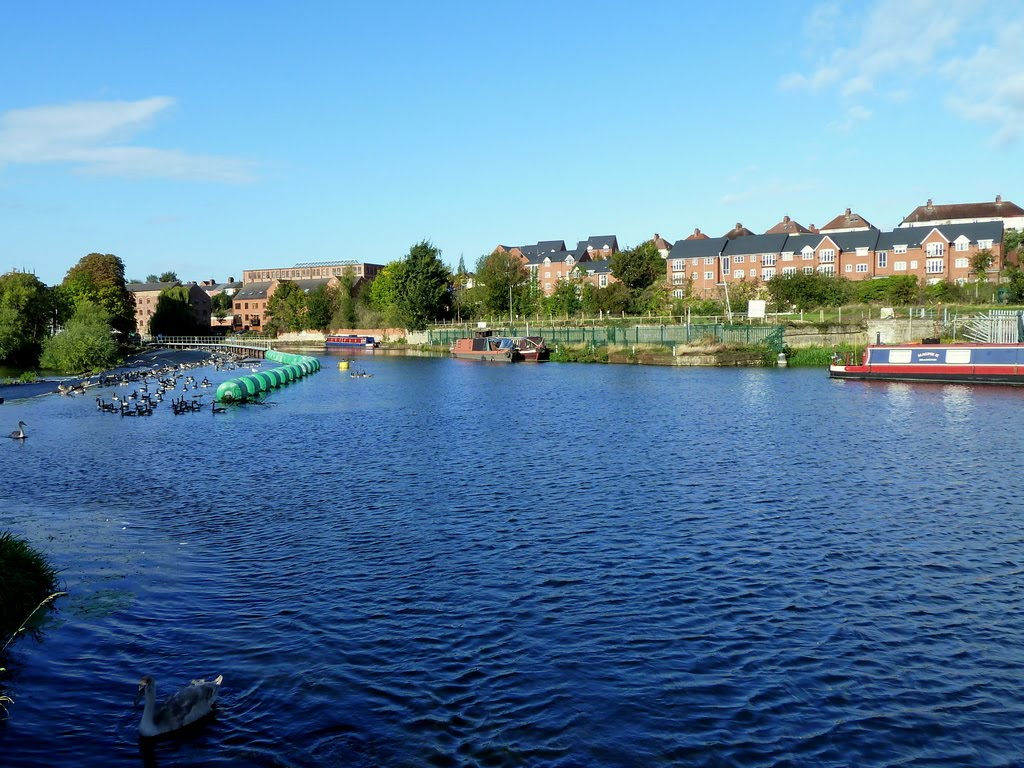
(929, 206)
(785, 219)
(696, 230)
(999, 199)
(847, 212)
(231, 279)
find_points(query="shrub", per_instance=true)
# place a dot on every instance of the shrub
(27, 579)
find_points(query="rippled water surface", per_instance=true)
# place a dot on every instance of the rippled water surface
(461, 564)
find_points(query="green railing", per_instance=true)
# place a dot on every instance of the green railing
(769, 336)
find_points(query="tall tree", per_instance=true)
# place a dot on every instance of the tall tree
(318, 307)
(424, 287)
(639, 267)
(99, 278)
(384, 293)
(505, 280)
(86, 343)
(287, 307)
(173, 315)
(168, 277)
(25, 315)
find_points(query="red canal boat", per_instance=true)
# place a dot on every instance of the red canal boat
(501, 349)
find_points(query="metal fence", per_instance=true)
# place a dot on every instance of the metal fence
(768, 336)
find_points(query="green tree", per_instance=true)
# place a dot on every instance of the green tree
(980, 263)
(424, 287)
(1014, 284)
(566, 300)
(151, 278)
(221, 306)
(807, 291)
(25, 314)
(384, 291)
(86, 343)
(503, 278)
(99, 278)
(173, 315)
(639, 267)
(287, 308)
(344, 302)
(319, 302)
(613, 299)
(168, 277)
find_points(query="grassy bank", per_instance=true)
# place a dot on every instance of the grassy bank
(820, 357)
(27, 580)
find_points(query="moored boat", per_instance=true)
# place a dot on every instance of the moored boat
(931, 361)
(351, 340)
(504, 349)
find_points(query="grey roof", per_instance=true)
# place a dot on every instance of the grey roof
(754, 244)
(697, 249)
(252, 291)
(597, 267)
(548, 246)
(140, 287)
(845, 241)
(912, 236)
(597, 242)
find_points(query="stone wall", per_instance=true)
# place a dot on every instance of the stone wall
(824, 336)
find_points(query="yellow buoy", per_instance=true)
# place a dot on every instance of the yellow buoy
(343, 365)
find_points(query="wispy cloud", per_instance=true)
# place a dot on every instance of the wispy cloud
(97, 138)
(892, 47)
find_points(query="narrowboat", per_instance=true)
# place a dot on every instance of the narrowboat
(931, 361)
(501, 349)
(351, 340)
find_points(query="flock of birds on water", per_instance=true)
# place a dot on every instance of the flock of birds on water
(196, 700)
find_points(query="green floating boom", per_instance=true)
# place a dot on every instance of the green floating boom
(243, 388)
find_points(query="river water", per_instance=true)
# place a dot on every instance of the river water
(464, 564)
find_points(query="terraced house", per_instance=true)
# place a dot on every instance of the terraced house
(549, 261)
(848, 246)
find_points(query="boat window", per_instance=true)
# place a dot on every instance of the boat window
(899, 355)
(958, 356)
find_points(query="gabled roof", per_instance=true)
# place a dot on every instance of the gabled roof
(598, 267)
(844, 241)
(550, 246)
(697, 235)
(599, 242)
(144, 287)
(755, 244)
(661, 243)
(912, 236)
(697, 249)
(252, 291)
(847, 220)
(738, 231)
(931, 212)
(787, 227)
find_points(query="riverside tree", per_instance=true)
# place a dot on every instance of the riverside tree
(424, 292)
(503, 278)
(99, 278)
(25, 315)
(173, 315)
(86, 343)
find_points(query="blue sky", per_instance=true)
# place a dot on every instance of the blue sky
(208, 138)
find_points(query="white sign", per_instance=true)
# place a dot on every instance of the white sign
(755, 308)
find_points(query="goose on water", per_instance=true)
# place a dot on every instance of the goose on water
(19, 433)
(191, 703)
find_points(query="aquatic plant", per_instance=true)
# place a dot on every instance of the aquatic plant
(27, 582)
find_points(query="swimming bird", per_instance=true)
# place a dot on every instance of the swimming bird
(191, 703)
(19, 433)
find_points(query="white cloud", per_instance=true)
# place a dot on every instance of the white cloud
(895, 47)
(95, 137)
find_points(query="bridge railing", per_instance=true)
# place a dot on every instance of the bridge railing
(248, 342)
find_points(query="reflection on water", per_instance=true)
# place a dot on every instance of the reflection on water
(458, 563)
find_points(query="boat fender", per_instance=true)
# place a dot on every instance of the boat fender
(508, 354)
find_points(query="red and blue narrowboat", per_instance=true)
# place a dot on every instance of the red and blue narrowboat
(931, 361)
(501, 349)
(351, 340)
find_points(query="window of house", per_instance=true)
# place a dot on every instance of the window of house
(247, 305)
(693, 275)
(768, 260)
(739, 259)
(787, 256)
(677, 293)
(913, 264)
(933, 266)
(696, 262)
(961, 263)
(899, 266)
(725, 266)
(962, 245)
(935, 249)
(547, 275)
(807, 254)
(862, 250)
(789, 270)
(602, 281)
(899, 249)
(862, 268)
(849, 267)
(738, 274)
(826, 255)
(827, 269)
(768, 274)
(883, 257)
(808, 270)
(678, 279)
(983, 244)
(677, 265)
(709, 260)
(709, 275)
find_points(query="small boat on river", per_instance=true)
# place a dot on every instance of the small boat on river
(931, 361)
(501, 349)
(351, 340)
